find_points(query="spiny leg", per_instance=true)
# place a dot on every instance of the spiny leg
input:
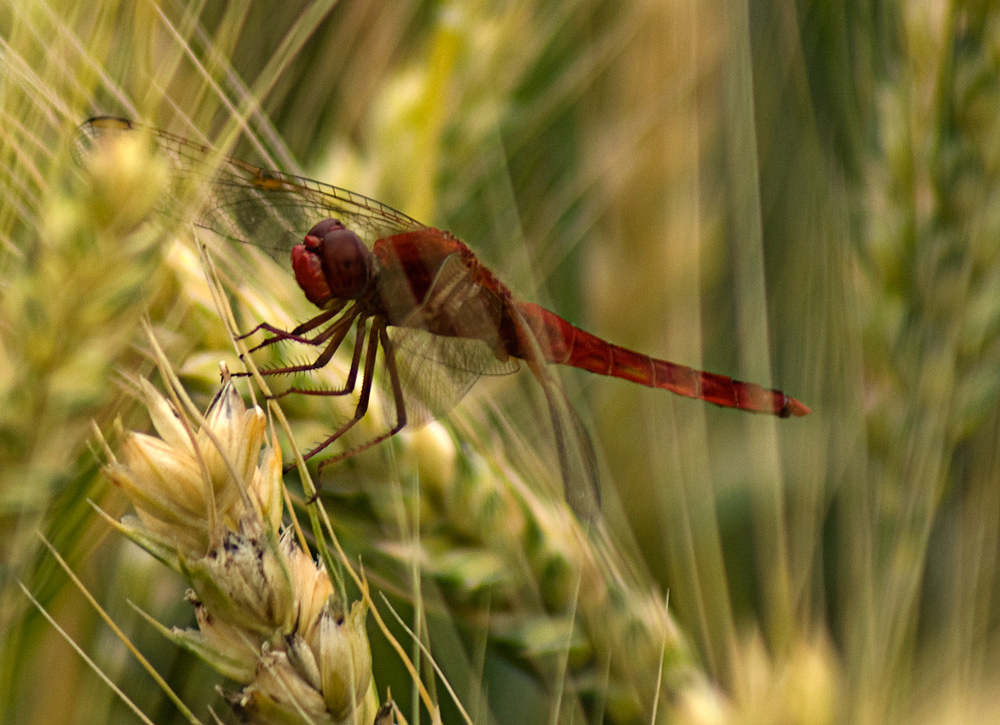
(397, 397)
(323, 359)
(338, 331)
(366, 386)
(295, 334)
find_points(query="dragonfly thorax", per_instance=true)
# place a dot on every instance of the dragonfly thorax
(332, 263)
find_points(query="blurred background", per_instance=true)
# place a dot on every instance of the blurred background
(795, 193)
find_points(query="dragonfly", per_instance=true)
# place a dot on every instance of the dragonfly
(439, 316)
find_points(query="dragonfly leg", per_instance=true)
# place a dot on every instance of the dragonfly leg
(375, 336)
(397, 396)
(362, 406)
(323, 359)
(335, 334)
(296, 334)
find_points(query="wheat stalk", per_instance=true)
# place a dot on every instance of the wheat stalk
(209, 504)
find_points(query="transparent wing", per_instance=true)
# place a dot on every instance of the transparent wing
(269, 209)
(436, 372)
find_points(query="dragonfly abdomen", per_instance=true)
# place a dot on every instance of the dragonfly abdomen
(566, 344)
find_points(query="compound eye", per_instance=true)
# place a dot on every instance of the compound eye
(346, 261)
(320, 230)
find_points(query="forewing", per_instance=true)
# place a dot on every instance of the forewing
(436, 372)
(269, 209)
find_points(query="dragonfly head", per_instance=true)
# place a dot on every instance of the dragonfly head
(332, 263)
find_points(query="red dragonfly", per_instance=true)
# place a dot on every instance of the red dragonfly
(373, 269)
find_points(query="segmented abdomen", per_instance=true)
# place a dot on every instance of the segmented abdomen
(567, 344)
